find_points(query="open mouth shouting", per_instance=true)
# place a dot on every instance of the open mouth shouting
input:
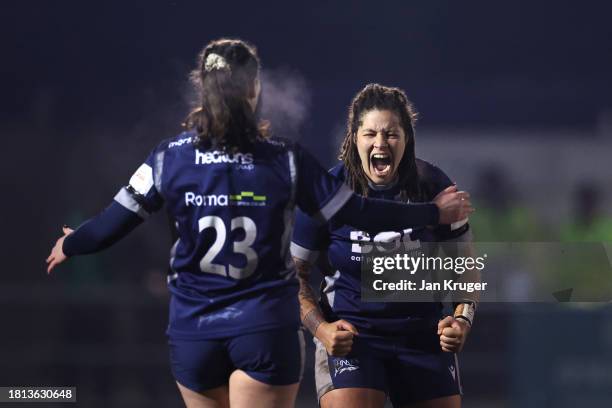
(380, 164)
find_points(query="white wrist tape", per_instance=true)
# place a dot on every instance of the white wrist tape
(465, 311)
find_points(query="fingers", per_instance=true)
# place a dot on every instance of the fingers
(466, 207)
(341, 343)
(449, 189)
(344, 325)
(452, 334)
(446, 322)
(450, 346)
(465, 212)
(52, 265)
(453, 330)
(339, 352)
(57, 256)
(460, 325)
(342, 336)
(463, 195)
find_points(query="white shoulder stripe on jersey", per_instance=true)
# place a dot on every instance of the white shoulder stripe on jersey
(124, 198)
(458, 224)
(157, 173)
(343, 194)
(288, 215)
(302, 253)
(293, 174)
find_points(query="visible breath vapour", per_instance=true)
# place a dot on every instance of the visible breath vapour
(285, 101)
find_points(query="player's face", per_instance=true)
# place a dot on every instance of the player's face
(381, 142)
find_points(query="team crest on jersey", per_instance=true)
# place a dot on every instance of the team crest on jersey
(345, 365)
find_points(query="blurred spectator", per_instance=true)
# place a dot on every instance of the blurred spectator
(589, 223)
(500, 216)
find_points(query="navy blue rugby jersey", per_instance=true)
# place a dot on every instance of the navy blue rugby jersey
(230, 268)
(345, 246)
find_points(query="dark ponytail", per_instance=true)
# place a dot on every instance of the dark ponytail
(225, 80)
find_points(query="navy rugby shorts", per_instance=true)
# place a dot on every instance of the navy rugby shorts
(274, 357)
(405, 371)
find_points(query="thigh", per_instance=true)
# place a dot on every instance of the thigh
(200, 365)
(213, 398)
(246, 392)
(357, 379)
(424, 379)
(272, 357)
(353, 397)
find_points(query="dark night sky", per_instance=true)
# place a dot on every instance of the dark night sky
(464, 63)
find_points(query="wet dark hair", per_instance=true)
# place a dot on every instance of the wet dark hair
(223, 117)
(379, 97)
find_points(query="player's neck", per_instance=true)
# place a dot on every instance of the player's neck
(386, 186)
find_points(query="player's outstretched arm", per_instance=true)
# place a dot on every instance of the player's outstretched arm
(324, 196)
(94, 235)
(370, 214)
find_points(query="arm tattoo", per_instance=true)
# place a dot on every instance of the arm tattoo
(309, 309)
(312, 320)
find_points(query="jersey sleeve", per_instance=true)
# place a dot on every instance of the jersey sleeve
(309, 238)
(319, 194)
(102, 231)
(142, 194)
(435, 181)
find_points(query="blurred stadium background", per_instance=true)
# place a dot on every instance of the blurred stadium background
(515, 105)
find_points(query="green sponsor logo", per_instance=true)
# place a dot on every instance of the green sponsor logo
(247, 198)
